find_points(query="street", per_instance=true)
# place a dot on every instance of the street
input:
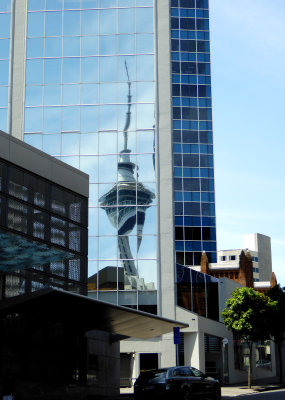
(274, 395)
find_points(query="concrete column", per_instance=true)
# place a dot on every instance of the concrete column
(164, 158)
(18, 69)
(194, 352)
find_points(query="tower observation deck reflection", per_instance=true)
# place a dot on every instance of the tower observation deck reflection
(126, 204)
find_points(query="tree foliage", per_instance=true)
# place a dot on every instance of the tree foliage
(247, 315)
(277, 322)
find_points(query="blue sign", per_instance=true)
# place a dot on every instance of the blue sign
(176, 335)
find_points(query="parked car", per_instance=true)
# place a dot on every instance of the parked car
(263, 364)
(183, 383)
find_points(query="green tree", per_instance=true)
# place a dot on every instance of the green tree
(247, 314)
(277, 322)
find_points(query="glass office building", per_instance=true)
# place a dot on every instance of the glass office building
(87, 85)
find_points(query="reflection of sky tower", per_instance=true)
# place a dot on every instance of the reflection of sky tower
(126, 194)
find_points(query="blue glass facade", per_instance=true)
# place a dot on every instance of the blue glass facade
(91, 96)
(195, 226)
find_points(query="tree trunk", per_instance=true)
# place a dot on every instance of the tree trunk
(249, 365)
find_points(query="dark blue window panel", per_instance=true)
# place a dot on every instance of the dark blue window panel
(207, 197)
(188, 45)
(175, 90)
(174, 3)
(202, 24)
(177, 182)
(189, 68)
(207, 173)
(208, 209)
(209, 233)
(175, 45)
(204, 102)
(174, 23)
(191, 184)
(190, 137)
(176, 68)
(175, 12)
(176, 101)
(175, 34)
(192, 208)
(191, 196)
(204, 69)
(207, 185)
(176, 78)
(178, 208)
(177, 148)
(205, 113)
(204, 91)
(208, 221)
(188, 23)
(177, 172)
(178, 159)
(190, 113)
(203, 57)
(193, 246)
(212, 257)
(176, 112)
(188, 35)
(187, 173)
(187, 3)
(202, 4)
(189, 90)
(209, 246)
(192, 221)
(204, 80)
(190, 148)
(203, 47)
(184, 12)
(193, 102)
(206, 161)
(203, 36)
(179, 245)
(192, 233)
(190, 125)
(190, 79)
(190, 160)
(179, 221)
(178, 196)
(202, 13)
(191, 172)
(176, 136)
(205, 125)
(177, 124)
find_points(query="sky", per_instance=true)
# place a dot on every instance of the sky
(248, 84)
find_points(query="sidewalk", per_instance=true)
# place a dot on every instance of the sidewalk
(230, 391)
(257, 387)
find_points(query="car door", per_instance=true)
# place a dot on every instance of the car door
(203, 385)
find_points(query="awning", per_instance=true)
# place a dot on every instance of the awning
(85, 314)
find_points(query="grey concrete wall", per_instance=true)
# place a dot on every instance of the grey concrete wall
(38, 162)
(18, 69)
(261, 244)
(165, 176)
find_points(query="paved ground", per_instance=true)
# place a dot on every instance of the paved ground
(228, 392)
(234, 391)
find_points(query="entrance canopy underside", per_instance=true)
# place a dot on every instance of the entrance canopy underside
(85, 314)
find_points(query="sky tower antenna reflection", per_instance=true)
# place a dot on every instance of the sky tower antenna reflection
(120, 204)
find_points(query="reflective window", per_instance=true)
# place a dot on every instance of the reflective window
(90, 102)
